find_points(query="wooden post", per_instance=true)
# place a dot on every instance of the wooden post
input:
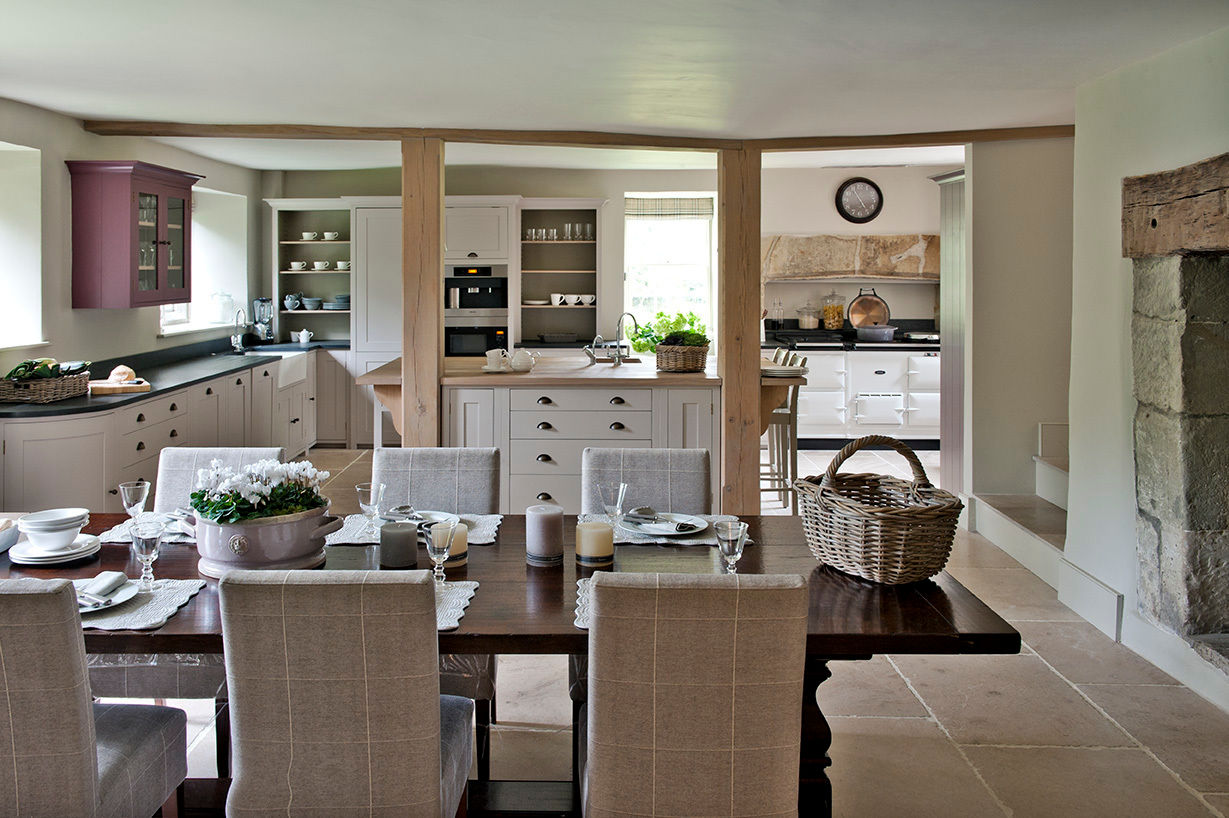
(422, 299)
(738, 321)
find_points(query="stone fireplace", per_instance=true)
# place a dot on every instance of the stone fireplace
(1176, 229)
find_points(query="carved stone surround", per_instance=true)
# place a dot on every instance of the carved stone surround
(908, 257)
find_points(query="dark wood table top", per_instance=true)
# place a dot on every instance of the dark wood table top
(522, 609)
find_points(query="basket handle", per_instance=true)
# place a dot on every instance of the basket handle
(920, 479)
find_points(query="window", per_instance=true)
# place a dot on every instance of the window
(21, 245)
(668, 252)
(219, 264)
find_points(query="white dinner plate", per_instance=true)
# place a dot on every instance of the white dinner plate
(666, 528)
(535, 303)
(23, 554)
(124, 593)
(783, 371)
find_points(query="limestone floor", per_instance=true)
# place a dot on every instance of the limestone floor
(1076, 725)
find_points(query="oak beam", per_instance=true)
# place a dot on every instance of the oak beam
(738, 321)
(1185, 210)
(910, 140)
(422, 300)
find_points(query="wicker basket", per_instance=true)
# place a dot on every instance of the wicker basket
(879, 528)
(681, 359)
(44, 390)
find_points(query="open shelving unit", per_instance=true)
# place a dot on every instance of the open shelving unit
(291, 219)
(562, 266)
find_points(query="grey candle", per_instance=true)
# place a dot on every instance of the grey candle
(544, 535)
(399, 545)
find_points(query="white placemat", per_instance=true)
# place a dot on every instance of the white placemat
(145, 610)
(451, 600)
(706, 537)
(482, 530)
(176, 531)
(584, 602)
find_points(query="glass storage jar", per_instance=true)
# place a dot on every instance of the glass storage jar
(834, 310)
(808, 317)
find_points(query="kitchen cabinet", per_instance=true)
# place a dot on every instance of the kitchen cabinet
(57, 463)
(569, 264)
(332, 391)
(477, 233)
(264, 387)
(377, 280)
(293, 420)
(234, 408)
(291, 219)
(470, 419)
(131, 234)
(689, 422)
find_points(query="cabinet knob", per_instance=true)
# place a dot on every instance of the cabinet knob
(311, 399)
(174, 407)
(545, 401)
(617, 401)
(617, 427)
(544, 426)
(140, 417)
(140, 445)
(294, 420)
(265, 373)
(541, 495)
(116, 491)
(173, 434)
(238, 381)
(208, 390)
(544, 458)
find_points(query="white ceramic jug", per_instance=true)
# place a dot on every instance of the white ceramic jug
(523, 360)
(303, 336)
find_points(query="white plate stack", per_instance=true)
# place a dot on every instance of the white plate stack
(53, 536)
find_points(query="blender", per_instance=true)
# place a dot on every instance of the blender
(262, 318)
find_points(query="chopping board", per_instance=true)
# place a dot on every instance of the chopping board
(112, 388)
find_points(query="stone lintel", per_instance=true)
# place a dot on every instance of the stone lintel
(1177, 211)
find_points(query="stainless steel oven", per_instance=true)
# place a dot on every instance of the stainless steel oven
(471, 332)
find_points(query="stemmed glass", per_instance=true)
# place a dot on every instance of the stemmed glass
(439, 543)
(611, 495)
(133, 496)
(731, 537)
(370, 495)
(146, 538)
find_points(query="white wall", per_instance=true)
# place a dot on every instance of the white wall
(1159, 114)
(97, 334)
(20, 206)
(1018, 332)
(220, 246)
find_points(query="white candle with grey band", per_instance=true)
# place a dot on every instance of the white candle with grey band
(544, 535)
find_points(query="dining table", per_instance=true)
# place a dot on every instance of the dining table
(523, 609)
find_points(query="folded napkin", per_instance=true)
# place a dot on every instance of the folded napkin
(105, 584)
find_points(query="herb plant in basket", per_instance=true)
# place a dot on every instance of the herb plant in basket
(679, 342)
(264, 515)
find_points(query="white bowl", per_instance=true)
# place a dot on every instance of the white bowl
(52, 540)
(53, 517)
(59, 525)
(8, 536)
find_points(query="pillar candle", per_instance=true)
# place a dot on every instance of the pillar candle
(544, 535)
(458, 554)
(594, 544)
(399, 545)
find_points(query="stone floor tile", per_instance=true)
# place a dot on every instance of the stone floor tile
(890, 767)
(1186, 732)
(1014, 593)
(525, 754)
(971, 550)
(533, 690)
(1042, 782)
(1220, 801)
(1083, 654)
(872, 688)
(1007, 700)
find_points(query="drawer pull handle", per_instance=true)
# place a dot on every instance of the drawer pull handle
(294, 420)
(238, 381)
(617, 427)
(140, 417)
(544, 458)
(140, 445)
(544, 426)
(545, 401)
(311, 399)
(472, 255)
(113, 491)
(208, 390)
(880, 372)
(541, 495)
(617, 401)
(174, 408)
(173, 434)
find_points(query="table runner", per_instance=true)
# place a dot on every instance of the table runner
(482, 530)
(706, 537)
(145, 610)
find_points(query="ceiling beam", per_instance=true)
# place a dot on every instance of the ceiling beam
(910, 140)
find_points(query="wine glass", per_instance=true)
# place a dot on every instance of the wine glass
(731, 537)
(370, 495)
(611, 495)
(439, 543)
(146, 538)
(133, 496)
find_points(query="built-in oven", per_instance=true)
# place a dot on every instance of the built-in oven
(471, 332)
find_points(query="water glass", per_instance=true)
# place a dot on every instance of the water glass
(439, 543)
(567, 232)
(133, 496)
(552, 234)
(146, 538)
(611, 495)
(588, 232)
(370, 495)
(731, 537)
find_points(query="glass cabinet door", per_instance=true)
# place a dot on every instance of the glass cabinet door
(176, 263)
(147, 242)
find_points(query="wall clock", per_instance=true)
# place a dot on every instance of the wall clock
(859, 200)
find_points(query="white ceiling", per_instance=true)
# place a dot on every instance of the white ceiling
(730, 68)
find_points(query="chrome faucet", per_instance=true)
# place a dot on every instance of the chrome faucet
(617, 354)
(236, 339)
(592, 350)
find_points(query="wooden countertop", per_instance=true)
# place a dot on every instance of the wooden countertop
(551, 371)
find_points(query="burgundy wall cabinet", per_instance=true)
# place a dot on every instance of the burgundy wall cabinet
(132, 234)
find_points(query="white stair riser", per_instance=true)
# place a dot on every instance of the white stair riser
(1051, 483)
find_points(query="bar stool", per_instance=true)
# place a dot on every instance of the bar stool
(781, 470)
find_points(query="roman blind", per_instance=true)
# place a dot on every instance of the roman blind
(642, 208)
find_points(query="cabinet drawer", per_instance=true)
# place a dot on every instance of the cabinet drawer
(150, 412)
(143, 443)
(582, 425)
(556, 456)
(573, 399)
(533, 490)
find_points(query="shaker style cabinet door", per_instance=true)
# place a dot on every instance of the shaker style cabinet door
(377, 280)
(471, 417)
(264, 387)
(235, 409)
(475, 233)
(689, 419)
(56, 463)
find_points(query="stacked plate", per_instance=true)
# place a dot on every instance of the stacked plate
(54, 529)
(336, 305)
(777, 371)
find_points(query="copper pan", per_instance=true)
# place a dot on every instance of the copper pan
(868, 309)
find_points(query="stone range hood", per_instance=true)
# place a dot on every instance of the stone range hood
(906, 257)
(1176, 230)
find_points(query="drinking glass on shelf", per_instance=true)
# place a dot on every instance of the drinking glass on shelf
(611, 495)
(146, 539)
(567, 232)
(731, 537)
(588, 232)
(370, 495)
(552, 234)
(133, 495)
(439, 543)
(540, 234)
(529, 234)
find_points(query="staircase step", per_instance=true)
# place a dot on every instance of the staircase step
(1051, 479)
(1030, 529)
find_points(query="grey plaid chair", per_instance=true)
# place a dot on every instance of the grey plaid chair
(455, 480)
(696, 695)
(334, 696)
(177, 467)
(65, 755)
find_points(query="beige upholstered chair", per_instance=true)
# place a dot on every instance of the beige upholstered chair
(178, 465)
(695, 688)
(454, 480)
(666, 479)
(334, 696)
(65, 755)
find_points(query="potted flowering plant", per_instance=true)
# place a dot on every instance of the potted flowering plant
(264, 515)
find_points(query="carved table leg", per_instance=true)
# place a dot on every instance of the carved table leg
(814, 789)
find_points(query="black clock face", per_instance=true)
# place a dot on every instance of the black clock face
(859, 200)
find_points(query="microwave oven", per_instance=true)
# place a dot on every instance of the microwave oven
(476, 331)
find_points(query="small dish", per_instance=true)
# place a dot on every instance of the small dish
(535, 302)
(668, 527)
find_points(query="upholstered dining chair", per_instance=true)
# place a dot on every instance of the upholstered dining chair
(66, 755)
(334, 696)
(707, 671)
(178, 465)
(454, 480)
